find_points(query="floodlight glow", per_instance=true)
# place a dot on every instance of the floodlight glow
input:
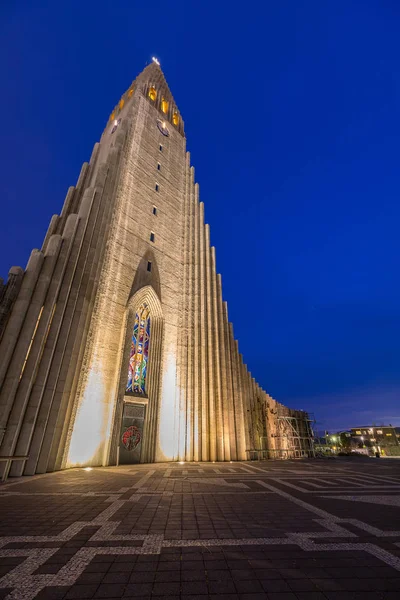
(88, 469)
(154, 59)
(181, 462)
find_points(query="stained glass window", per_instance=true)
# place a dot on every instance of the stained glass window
(139, 354)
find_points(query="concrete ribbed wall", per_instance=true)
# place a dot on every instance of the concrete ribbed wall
(67, 320)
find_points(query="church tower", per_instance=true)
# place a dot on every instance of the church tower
(115, 340)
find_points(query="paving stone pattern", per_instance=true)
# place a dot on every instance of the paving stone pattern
(322, 529)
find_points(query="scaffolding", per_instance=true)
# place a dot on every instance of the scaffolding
(294, 437)
(291, 435)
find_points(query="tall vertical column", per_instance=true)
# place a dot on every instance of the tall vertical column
(210, 350)
(217, 362)
(205, 441)
(189, 412)
(183, 340)
(241, 410)
(237, 397)
(229, 385)
(223, 370)
(197, 399)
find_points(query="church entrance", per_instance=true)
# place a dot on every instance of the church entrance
(131, 437)
(135, 424)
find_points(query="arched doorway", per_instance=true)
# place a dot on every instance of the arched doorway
(139, 391)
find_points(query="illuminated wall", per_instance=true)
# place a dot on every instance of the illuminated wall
(123, 304)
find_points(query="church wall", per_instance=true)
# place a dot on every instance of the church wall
(65, 347)
(129, 240)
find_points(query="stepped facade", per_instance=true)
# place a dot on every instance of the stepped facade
(115, 340)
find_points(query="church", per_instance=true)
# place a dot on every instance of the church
(115, 341)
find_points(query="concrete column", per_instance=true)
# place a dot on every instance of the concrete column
(229, 386)
(241, 408)
(212, 429)
(182, 380)
(189, 360)
(235, 387)
(205, 440)
(223, 367)
(246, 404)
(190, 272)
(217, 362)
(50, 231)
(197, 399)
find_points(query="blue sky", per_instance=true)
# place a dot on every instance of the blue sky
(291, 112)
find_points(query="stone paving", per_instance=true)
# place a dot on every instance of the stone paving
(322, 529)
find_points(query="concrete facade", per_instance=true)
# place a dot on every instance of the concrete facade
(66, 322)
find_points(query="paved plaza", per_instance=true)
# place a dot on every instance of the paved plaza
(312, 530)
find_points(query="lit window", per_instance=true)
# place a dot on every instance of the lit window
(152, 93)
(158, 167)
(121, 103)
(358, 432)
(152, 236)
(175, 119)
(154, 210)
(112, 116)
(149, 266)
(130, 93)
(157, 187)
(389, 434)
(139, 353)
(379, 431)
(160, 147)
(164, 105)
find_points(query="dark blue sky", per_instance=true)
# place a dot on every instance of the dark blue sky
(292, 119)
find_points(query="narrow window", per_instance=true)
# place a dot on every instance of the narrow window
(157, 187)
(158, 167)
(175, 119)
(121, 103)
(164, 105)
(160, 147)
(139, 354)
(152, 93)
(149, 266)
(154, 210)
(152, 237)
